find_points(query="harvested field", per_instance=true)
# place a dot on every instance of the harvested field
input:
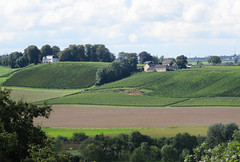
(77, 116)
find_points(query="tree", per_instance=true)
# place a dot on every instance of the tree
(214, 60)
(55, 50)
(181, 61)
(144, 56)
(45, 50)
(12, 59)
(32, 53)
(17, 129)
(169, 153)
(219, 133)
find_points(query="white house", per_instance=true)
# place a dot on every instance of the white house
(50, 59)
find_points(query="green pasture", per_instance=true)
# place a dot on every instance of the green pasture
(63, 75)
(153, 132)
(36, 94)
(213, 101)
(115, 99)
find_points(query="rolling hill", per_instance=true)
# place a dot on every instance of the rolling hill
(67, 75)
(208, 81)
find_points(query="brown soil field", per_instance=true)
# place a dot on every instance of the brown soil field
(78, 116)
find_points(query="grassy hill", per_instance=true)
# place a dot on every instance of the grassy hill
(208, 81)
(67, 75)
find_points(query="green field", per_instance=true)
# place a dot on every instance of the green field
(36, 94)
(210, 102)
(153, 132)
(208, 81)
(115, 99)
(67, 75)
(5, 70)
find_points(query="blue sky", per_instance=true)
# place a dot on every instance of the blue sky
(160, 27)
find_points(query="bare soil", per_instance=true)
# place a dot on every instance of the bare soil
(78, 116)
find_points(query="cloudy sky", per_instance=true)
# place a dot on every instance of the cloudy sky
(160, 27)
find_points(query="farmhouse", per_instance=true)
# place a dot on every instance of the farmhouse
(167, 65)
(50, 59)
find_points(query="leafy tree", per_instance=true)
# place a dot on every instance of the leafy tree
(155, 60)
(103, 54)
(169, 153)
(55, 50)
(81, 53)
(214, 60)
(78, 137)
(12, 59)
(32, 53)
(17, 129)
(181, 61)
(144, 56)
(136, 138)
(45, 50)
(4, 60)
(22, 61)
(184, 141)
(219, 133)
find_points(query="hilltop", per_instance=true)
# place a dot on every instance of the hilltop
(64, 75)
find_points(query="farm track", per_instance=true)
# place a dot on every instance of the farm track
(78, 116)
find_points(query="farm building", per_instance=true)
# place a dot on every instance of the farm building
(50, 59)
(167, 65)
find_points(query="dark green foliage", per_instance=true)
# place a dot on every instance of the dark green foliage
(117, 70)
(55, 50)
(181, 61)
(214, 60)
(219, 133)
(144, 56)
(184, 141)
(96, 53)
(12, 59)
(56, 75)
(78, 137)
(169, 153)
(4, 60)
(17, 133)
(45, 50)
(32, 53)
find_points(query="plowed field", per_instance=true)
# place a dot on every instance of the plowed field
(77, 116)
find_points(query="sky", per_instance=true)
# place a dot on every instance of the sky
(160, 27)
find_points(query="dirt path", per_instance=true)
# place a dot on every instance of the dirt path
(77, 116)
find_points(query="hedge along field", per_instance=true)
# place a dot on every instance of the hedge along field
(208, 81)
(115, 99)
(153, 132)
(64, 75)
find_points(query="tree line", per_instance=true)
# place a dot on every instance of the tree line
(33, 55)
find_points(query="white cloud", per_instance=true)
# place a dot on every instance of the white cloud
(118, 22)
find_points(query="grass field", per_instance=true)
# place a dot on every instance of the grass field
(5, 70)
(153, 132)
(67, 75)
(212, 101)
(37, 94)
(115, 99)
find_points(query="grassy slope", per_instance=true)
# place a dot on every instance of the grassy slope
(209, 81)
(5, 72)
(68, 75)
